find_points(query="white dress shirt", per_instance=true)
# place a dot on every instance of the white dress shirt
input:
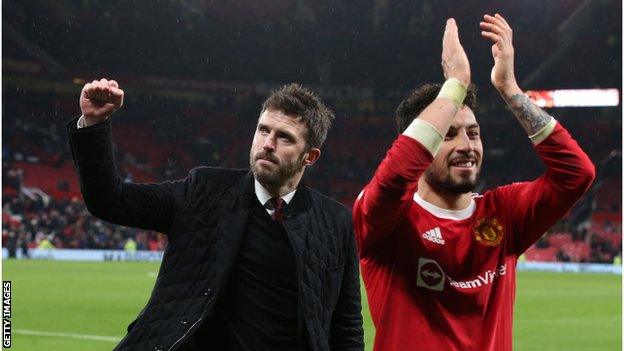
(264, 196)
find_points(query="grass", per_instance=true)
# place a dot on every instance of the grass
(553, 311)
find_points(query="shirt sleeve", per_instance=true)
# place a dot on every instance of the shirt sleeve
(384, 200)
(533, 207)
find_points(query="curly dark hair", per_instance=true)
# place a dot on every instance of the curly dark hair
(421, 97)
(294, 100)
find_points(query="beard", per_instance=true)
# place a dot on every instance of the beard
(285, 171)
(446, 184)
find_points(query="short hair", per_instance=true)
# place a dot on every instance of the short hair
(294, 100)
(421, 97)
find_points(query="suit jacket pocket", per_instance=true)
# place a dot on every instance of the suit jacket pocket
(332, 282)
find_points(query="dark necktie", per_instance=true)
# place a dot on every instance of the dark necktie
(278, 205)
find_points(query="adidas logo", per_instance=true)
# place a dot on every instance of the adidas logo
(434, 235)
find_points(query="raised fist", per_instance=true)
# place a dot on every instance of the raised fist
(454, 60)
(99, 99)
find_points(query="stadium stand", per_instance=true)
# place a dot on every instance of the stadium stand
(179, 116)
(41, 192)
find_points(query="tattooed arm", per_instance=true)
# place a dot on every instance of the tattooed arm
(532, 118)
(535, 205)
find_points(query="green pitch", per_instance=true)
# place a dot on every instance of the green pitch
(86, 306)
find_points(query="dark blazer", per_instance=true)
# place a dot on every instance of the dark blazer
(205, 216)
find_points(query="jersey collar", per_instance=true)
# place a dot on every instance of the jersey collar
(456, 215)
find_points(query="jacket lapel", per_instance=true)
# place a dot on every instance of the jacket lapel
(234, 213)
(296, 220)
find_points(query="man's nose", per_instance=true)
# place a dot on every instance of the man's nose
(464, 143)
(269, 142)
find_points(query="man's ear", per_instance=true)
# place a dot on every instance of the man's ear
(312, 155)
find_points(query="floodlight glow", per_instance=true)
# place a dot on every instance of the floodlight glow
(575, 97)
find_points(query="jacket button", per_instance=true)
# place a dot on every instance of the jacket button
(158, 348)
(208, 292)
(183, 321)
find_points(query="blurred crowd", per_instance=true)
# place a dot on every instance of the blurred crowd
(36, 220)
(196, 99)
(42, 206)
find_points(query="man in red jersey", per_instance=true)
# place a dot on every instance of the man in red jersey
(439, 261)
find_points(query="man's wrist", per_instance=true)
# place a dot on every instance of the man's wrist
(454, 90)
(81, 122)
(84, 122)
(509, 90)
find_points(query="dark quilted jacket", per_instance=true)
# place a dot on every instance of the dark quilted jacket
(205, 216)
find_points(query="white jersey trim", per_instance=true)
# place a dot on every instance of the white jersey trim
(456, 215)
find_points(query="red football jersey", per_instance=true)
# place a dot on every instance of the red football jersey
(445, 280)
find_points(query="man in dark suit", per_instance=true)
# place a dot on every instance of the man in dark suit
(255, 260)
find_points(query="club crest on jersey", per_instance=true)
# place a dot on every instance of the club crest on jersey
(488, 232)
